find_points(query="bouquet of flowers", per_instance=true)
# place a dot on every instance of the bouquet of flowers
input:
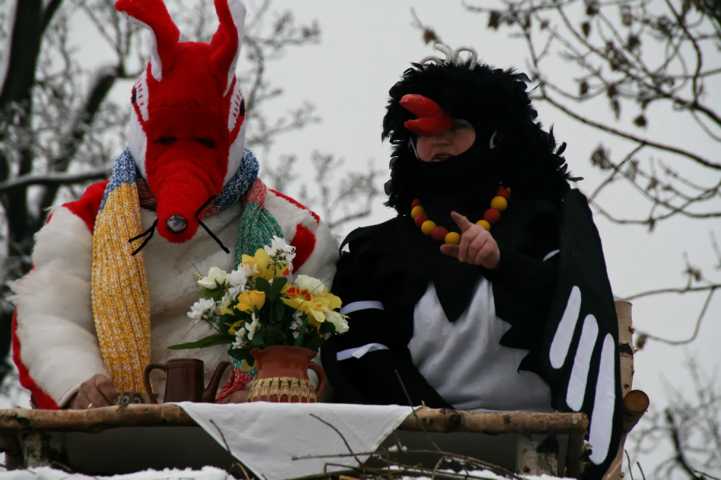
(262, 303)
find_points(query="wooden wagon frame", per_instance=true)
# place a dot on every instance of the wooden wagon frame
(32, 438)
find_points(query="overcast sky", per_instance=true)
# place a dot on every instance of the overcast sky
(365, 47)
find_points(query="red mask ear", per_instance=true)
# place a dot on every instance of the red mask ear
(431, 120)
(226, 42)
(153, 15)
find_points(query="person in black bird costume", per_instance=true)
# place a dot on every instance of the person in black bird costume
(489, 289)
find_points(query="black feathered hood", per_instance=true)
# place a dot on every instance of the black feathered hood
(495, 102)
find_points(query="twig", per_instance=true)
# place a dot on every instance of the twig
(429, 35)
(413, 410)
(222, 436)
(466, 460)
(340, 434)
(640, 469)
(679, 290)
(706, 475)
(676, 439)
(696, 329)
(616, 171)
(628, 461)
(227, 449)
(52, 179)
(629, 136)
(716, 249)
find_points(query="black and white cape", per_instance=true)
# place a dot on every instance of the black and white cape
(539, 332)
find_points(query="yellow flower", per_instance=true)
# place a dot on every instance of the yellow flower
(261, 264)
(317, 305)
(250, 301)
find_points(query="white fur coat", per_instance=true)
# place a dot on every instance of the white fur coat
(55, 347)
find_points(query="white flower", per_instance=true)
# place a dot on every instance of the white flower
(239, 338)
(253, 326)
(238, 278)
(297, 324)
(338, 320)
(311, 284)
(216, 277)
(226, 301)
(280, 249)
(200, 308)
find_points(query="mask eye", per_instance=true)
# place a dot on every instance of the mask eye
(166, 140)
(205, 141)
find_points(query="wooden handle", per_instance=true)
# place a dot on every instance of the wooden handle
(146, 378)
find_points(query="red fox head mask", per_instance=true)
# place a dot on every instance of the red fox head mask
(187, 127)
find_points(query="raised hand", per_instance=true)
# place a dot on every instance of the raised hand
(476, 247)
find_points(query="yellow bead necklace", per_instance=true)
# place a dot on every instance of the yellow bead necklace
(492, 215)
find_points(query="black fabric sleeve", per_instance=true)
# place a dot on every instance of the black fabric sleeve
(374, 377)
(382, 377)
(524, 283)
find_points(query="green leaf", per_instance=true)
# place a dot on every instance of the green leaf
(276, 313)
(209, 341)
(277, 286)
(262, 285)
(214, 294)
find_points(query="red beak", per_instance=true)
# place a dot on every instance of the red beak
(431, 120)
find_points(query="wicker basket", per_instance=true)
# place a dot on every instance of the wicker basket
(281, 389)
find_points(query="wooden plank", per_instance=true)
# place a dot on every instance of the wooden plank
(424, 419)
(440, 420)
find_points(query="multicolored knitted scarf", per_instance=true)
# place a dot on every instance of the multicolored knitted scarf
(119, 287)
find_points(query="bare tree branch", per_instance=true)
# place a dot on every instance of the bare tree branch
(56, 180)
(648, 336)
(104, 79)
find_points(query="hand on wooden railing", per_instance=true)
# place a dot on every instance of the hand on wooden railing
(97, 391)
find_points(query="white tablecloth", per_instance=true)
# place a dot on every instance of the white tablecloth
(280, 440)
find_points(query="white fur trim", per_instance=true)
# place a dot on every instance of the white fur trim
(237, 12)
(156, 64)
(137, 139)
(235, 102)
(142, 95)
(235, 154)
(321, 262)
(137, 142)
(55, 326)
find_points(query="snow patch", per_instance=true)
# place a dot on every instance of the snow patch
(46, 473)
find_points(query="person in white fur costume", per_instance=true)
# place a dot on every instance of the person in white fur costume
(105, 298)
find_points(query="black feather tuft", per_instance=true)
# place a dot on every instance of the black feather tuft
(492, 100)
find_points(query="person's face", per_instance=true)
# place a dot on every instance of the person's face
(452, 142)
